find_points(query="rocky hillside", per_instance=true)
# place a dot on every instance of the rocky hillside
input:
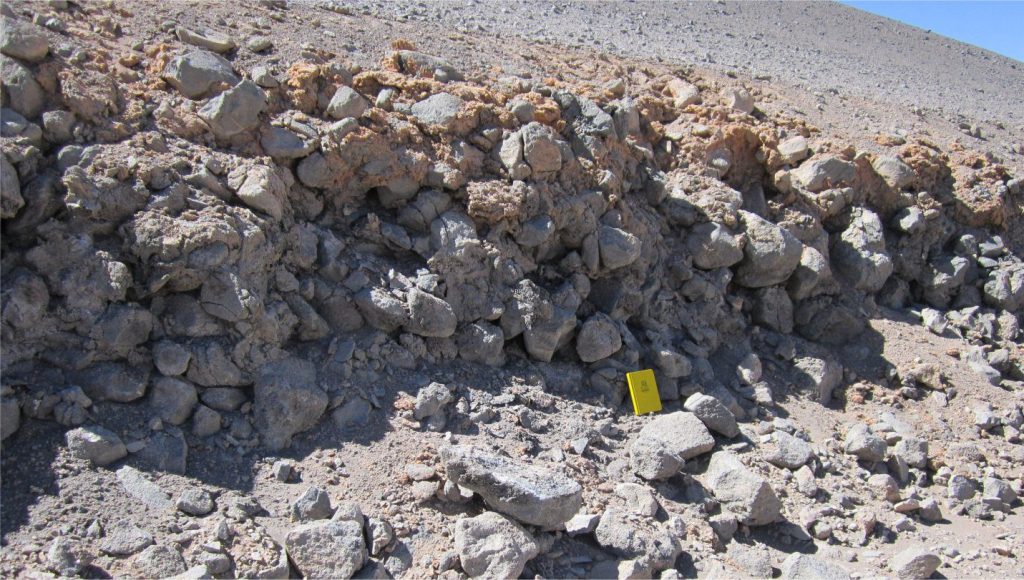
(274, 308)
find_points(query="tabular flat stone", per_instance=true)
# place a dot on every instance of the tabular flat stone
(532, 495)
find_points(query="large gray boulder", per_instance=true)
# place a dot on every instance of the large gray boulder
(23, 40)
(713, 246)
(235, 111)
(770, 255)
(530, 494)
(894, 171)
(493, 546)
(327, 549)
(288, 401)
(111, 381)
(598, 339)
(788, 451)
(540, 149)
(174, 399)
(347, 103)
(741, 491)
(95, 444)
(618, 248)
(822, 173)
(429, 315)
(21, 91)
(441, 109)
(198, 73)
(483, 343)
(11, 199)
(859, 255)
(665, 443)
(381, 309)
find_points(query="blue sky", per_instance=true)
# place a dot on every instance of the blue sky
(996, 26)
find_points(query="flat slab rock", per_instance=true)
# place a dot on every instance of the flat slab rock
(532, 495)
(143, 489)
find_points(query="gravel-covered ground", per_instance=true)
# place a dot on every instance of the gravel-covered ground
(817, 46)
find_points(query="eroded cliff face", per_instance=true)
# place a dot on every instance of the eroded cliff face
(244, 246)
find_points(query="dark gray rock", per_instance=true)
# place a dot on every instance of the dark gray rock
(288, 400)
(381, 309)
(195, 502)
(863, 444)
(346, 102)
(483, 343)
(598, 338)
(313, 504)
(24, 94)
(112, 381)
(859, 255)
(788, 451)
(713, 246)
(618, 248)
(173, 399)
(236, 110)
(429, 315)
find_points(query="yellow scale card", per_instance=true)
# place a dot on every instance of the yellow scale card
(643, 391)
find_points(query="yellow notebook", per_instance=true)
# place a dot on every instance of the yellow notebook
(643, 390)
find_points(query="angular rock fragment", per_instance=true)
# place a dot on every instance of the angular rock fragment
(197, 73)
(532, 495)
(288, 400)
(741, 491)
(95, 444)
(771, 253)
(663, 445)
(429, 316)
(598, 339)
(235, 111)
(327, 549)
(618, 248)
(713, 413)
(491, 545)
